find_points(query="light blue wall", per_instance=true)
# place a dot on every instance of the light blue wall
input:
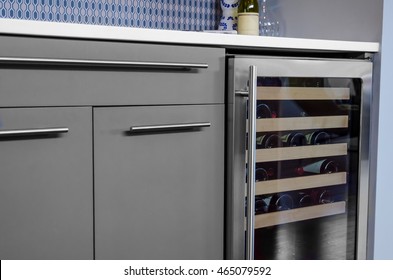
(349, 20)
(383, 248)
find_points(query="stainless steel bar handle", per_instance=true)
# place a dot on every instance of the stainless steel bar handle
(252, 108)
(101, 63)
(168, 127)
(242, 93)
(33, 131)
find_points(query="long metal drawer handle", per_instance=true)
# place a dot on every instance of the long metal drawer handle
(168, 127)
(33, 132)
(100, 63)
(252, 108)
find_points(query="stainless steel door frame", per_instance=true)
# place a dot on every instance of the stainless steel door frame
(288, 67)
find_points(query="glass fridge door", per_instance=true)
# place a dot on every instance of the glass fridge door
(306, 170)
(310, 158)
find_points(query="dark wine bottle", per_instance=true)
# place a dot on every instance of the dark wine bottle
(260, 206)
(305, 199)
(324, 166)
(279, 202)
(261, 175)
(268, 169)
(325, 197)
(266, 141)
(264, 111)
(294, 139)
(318, 138)
(264, 173)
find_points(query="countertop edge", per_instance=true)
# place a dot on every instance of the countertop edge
(101, 32)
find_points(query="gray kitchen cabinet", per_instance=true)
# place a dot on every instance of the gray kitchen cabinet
(98, 191)
(46, 201)
(159, 194)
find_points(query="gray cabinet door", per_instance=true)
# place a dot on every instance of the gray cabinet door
(46, 190)
(159, 195)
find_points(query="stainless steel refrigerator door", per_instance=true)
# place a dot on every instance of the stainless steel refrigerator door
(238, 80)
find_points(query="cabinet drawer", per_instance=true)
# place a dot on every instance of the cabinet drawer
(46, 202)
(159, 194)
(56, 72)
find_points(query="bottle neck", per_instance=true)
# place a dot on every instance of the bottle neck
(248, 6)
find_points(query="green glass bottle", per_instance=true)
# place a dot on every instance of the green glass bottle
(248, 17)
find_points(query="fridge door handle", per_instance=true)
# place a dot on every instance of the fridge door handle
(252, 108)
(242, 93)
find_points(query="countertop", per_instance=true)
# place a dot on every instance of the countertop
(68, 30)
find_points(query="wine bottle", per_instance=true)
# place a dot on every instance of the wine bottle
(279, 202)
(264, 111)
(325, 197)
(248, 17)
(305, 199)
(267, 141)
(324, 166)
(318, 138)
(294, 139)
(261, 174)
(264, 173)
(260, 205)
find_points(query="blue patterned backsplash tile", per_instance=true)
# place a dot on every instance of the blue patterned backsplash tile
(160, 14)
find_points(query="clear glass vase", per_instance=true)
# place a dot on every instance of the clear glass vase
(268, 22)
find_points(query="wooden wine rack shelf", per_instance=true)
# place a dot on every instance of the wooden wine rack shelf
(302, 93)
(301, 152)
(300, 183)
(301, 123)
(299, 214)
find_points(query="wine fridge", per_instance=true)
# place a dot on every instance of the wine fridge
(298, 157)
